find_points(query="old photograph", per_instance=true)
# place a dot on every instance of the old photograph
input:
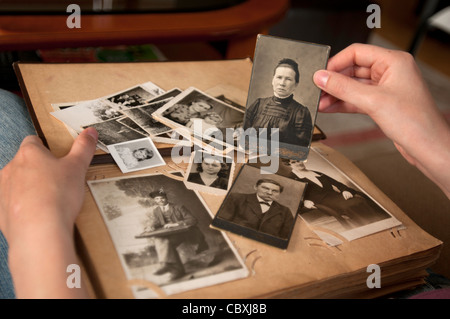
(334, 206)
(86, 113)
(201, 114)
(168, 94)
(282, 97)
(142, 115)
(132, 125)
(161, 232)
(114, 132)
(135, 96)
(136, 155)
(261, 206)
(63, 106)
(106, 108)
(209, 173)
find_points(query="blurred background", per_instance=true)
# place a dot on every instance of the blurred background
(224, 29)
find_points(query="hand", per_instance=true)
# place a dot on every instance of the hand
(171, 225)
(387, 86)
(35, 179)
(41, 198)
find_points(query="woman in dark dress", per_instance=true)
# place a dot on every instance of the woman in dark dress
(281, 110)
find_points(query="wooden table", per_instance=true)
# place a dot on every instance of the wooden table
(237, 25)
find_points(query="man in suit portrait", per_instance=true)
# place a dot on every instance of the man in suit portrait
(259, 210)
(166, 215)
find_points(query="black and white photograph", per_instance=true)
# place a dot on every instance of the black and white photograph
(63, 106)
(168, 94)
(114, 132)
(132, 125)
(81, 114)
(136, 155)
(142, 115)
(201, 114)
(172, 137)
(86, 113)
(261, 207)
(334, 206)
(135, 96)
(209, 173)
(161, 232)
(282, 96)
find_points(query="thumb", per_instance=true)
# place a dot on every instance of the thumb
(344, 88)
(84, 147)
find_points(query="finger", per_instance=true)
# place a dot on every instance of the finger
(339, 107)
(363, 55)
(357, 72)
(84, 147)
(32, 139)
(345, 88)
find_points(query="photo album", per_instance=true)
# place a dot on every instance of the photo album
(254, 161)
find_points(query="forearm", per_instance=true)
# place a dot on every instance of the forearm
(39, 259)
(431, 154)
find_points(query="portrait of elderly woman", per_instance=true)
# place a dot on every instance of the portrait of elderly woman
(281, 110)
(282, 94)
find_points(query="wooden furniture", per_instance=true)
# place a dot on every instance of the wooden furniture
(237, 25)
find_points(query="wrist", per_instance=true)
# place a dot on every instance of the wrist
(39, 261)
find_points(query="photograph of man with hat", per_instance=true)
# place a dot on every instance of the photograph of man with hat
(165, 215)
(260, 210)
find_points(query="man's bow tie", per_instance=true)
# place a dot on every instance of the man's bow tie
(264, 203)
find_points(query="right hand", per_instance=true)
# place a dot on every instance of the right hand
(387, 86)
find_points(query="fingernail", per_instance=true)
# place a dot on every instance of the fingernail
(92, 132)
(321, 78)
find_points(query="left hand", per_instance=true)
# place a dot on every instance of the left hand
(38, 188)
(41, 196)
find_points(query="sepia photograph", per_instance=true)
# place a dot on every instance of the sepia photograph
(160, 230)
(136, 155)
(261, 206)
(135, 96)
(114, 132)
(282, 99)
(201, 114)
(334, 206)
(209, 173)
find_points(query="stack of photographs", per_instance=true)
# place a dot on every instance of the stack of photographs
(281, 179)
